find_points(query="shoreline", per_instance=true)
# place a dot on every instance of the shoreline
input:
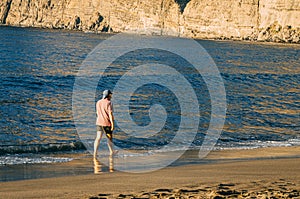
(82, 162)
(189, 157)
(253, 41)
(275, 174)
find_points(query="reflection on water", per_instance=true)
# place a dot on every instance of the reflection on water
(97, 166)
(101, 167)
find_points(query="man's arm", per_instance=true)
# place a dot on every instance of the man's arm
(111, 118)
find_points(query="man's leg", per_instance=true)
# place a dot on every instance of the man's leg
(110, 144)
(97, 141)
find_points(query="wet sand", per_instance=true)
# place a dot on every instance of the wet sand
(258, 173)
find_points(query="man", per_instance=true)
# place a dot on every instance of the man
(105, 121)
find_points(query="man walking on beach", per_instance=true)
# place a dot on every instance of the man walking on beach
(105, 121)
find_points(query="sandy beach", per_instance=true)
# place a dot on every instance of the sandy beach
(257, 173)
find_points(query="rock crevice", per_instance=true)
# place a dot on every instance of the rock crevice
(5, 11)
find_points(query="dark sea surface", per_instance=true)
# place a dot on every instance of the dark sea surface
(38, 69)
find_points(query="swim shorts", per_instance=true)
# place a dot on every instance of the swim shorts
(105, 129)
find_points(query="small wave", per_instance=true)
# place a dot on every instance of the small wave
(17, 160)
(259, 144)
(40, 148)
(231, 145)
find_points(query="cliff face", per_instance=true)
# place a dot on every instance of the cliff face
(279, 20)
(265, 20)
(221, 18)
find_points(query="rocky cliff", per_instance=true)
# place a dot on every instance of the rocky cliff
(263, 20)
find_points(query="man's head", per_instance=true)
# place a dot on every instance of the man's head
(107, 94)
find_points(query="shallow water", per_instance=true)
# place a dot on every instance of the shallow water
(38, 69)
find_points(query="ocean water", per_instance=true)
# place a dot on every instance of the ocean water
(38, 69)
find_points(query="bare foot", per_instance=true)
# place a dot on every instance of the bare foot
(115, 152)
